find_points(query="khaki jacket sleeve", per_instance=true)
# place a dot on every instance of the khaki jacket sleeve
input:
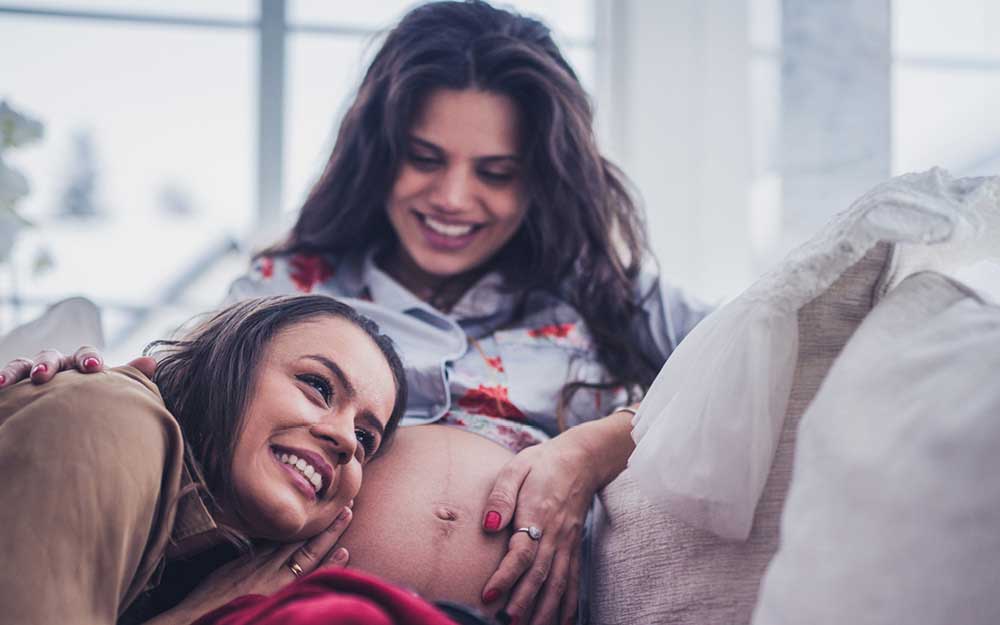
(90, 468)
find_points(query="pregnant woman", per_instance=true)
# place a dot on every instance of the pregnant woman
(467, 209)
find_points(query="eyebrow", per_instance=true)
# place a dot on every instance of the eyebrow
(337, 373)
(349, 390)
(492, 157)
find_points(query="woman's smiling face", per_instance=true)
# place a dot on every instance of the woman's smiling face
(322, 397)
(458, 196)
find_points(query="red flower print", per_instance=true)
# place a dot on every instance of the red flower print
(495, 363)
(558, 330)
(491, 401)
(516, 439)
(265, 266)
(308, 271)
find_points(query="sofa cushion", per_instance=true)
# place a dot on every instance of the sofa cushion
(652, 568)
(894, 513)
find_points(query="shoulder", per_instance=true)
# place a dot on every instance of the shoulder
(281, 274)
(669, 313)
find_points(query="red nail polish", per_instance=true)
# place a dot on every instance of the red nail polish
(40, 369)
(491, 596)
(492, 521)
(91, 363)
(3, 380)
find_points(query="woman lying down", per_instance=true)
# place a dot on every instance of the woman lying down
(133, 500)
(254, 431)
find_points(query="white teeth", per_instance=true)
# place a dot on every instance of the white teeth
(304, 468)
(449, 230)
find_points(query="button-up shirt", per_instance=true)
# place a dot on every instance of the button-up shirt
(476, 366)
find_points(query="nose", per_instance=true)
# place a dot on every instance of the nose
(455, 189)
(338, 438)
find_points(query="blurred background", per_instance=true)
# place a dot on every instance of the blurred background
(181, 134)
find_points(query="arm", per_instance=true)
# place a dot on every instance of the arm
(88, 465)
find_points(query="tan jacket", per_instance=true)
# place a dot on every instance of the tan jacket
(93, 495)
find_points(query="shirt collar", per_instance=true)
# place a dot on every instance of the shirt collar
(484, 299)
(194, 528)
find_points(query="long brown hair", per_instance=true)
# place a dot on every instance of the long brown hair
(207, 376)
(582, 239)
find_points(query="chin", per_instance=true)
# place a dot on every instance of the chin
(444, 266)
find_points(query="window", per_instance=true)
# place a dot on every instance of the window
(146, 189)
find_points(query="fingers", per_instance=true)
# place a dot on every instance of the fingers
(525, 557)
(320, 548)
(88, 359)
(502, 499)
(337, 557)
(48, 362)
(15, 371)
(145, 365)
(571, 599)
(555, 588)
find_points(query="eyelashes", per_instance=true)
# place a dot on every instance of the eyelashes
(368, 440)
(428, 163)
(321, 385)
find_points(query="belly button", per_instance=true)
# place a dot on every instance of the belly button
(445, 513)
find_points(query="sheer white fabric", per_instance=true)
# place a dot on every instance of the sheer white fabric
(708, 427)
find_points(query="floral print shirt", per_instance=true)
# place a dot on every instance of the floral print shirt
(475, 367)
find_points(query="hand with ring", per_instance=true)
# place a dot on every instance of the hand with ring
(264, 571)
(544, 494)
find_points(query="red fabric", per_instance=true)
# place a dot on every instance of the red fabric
(307, 271)
(330, 597)
(491, 401)
(560, 330)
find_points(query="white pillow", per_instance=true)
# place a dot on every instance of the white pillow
(894, 511)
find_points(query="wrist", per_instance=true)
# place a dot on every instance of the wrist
(609, 442)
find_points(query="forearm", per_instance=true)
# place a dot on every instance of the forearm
(608, 443)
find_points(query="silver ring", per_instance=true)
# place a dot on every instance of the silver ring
(533, 532)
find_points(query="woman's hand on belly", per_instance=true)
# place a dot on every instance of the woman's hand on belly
(550, 486)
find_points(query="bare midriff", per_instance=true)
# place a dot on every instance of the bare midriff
(418, 518)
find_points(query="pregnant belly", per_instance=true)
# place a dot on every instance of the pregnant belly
(418, 518)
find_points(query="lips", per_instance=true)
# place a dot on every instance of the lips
(309, 459)
(444, 234)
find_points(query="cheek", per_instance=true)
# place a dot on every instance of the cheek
(409, 183)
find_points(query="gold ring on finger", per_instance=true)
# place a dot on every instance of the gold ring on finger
(294, 567)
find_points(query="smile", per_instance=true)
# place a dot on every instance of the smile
(448, 230)
(309, 470)
(444, 236)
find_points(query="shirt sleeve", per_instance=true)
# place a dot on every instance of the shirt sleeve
(265, 277)
(670, 314)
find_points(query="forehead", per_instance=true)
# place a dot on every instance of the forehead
(469, 121)
(350, 348)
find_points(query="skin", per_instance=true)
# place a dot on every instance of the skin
(462, 168)
(322, 387)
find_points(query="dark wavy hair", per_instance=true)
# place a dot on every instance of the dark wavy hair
(207, 376)
(582, 238)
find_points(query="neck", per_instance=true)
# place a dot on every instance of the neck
(441, 292)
